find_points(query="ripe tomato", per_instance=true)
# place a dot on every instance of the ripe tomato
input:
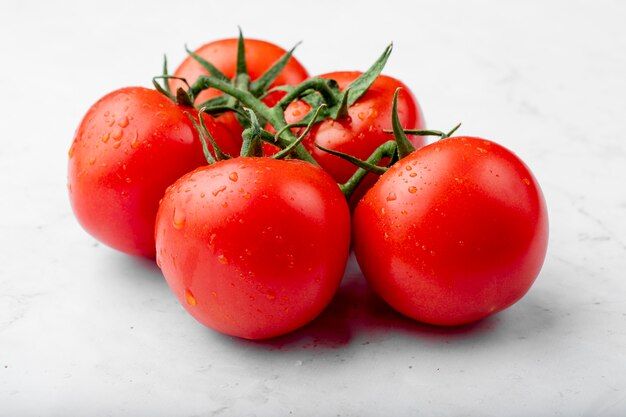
(128, 148)
(453, 232)
(361, 132)
(253, 247)
(260, 55)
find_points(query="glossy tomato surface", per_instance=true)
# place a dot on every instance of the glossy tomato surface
(129, 147)
(452, 233)
(361, 132)
(254, 247)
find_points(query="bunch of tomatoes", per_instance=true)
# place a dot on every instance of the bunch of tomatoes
(250, 182)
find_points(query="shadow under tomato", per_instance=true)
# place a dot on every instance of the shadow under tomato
(357, 314)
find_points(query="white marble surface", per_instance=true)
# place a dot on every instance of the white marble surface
(88, 331)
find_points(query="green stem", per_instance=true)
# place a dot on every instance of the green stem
(274, 116)
(242, 82)
(387, 149)
(317, 84)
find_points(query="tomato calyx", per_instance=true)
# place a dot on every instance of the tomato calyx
(258, 88)
(244, 98)
(326, 100)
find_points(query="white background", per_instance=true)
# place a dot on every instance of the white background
(88, 331)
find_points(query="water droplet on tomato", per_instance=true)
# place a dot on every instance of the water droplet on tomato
(117, 134)
(70, 153)
(179, 219)
(526, 181)
(92, 160)
(408, 167)
(361, 115)
(412, 189)
(105, 138)
(191, 300)
(122, 122)
(222, 259)
(413, 174)
(391, 196)
(233, 176)
(219, 190)
(135, 142)
(202, 195)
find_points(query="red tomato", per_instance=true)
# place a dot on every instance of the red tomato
(452, 233)
(260, 56)
(253, 247)
(131, 145)
(361, 132)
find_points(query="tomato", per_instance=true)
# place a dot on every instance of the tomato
(254, 247)
(260, 55)
(453, 232)
(131, 145)
(361, 132)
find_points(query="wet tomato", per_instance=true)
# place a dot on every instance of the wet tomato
(254, 247)
(131, 145)
(453, 232)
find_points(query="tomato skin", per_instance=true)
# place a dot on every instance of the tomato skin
(131, 145)
(254, 247)
(361, 132)
(260, 56)
(452, 233)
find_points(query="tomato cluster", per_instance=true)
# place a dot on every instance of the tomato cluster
(249, 182)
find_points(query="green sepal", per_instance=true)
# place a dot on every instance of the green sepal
(355, 161)
(210, 68)
(242, 67)
(404, 146)
(340, 109)
(261, 84)
(451, 132)
(219, 155)
(166, 74)
(359, 86)
(251, 135)
(161, 89)
(205, 148)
